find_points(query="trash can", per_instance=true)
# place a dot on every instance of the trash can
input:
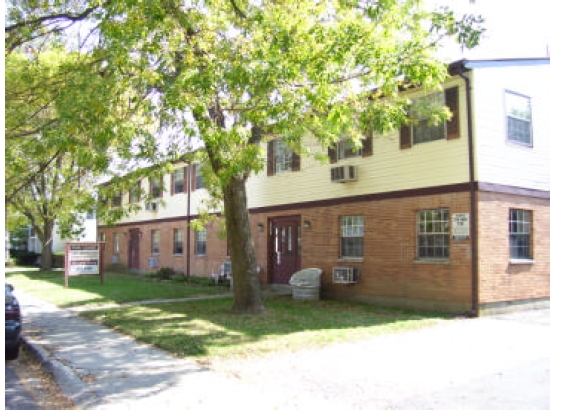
(306, 284)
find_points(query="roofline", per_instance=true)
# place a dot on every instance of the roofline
(468, 64)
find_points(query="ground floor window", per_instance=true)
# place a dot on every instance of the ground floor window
(155, 242)
(116, 242)
(433, 234)
(178, 242)
(520, 222)
(200, 242)
(352, 236)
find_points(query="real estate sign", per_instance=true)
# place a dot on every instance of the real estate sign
(83, 258)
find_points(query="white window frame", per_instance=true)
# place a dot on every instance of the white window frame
(178, 179)
(345, 150)
(518, 116)
(352, 237)
(520, 235)
(201, 240)
(433, 234)
(282, 157)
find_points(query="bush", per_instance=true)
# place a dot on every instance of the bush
(24, 257)
(165, 273)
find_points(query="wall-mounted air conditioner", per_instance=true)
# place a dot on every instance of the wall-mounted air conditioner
(345, 275)
(152, 262)
(344, 173)
(152, 206)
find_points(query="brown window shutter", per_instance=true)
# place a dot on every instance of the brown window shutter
(367, 145)
(405, 137)
(452, 101)
(186, 179)
(161, 186)
(296, 162)
(270, 170)
(332, 154)
(193, 179)
(172, 184)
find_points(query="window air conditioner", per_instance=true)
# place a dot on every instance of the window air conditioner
(152, 262)
(345, 275)
(344, 173)
(152, 206)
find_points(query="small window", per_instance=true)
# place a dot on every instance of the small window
(116, 240)
(519, 127)
(102, 237)
(423, 130)
(199, 177)
(433, 234)
(178, 242)
(155, 188)
(352, 237)
(155, 242)
(520, 227)
(179, 181)
(200, 242)
(117, 199)
(282, 157)
(346, 150)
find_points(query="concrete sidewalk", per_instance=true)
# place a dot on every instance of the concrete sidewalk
(486, 363)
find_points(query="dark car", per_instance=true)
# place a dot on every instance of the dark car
(13, 321)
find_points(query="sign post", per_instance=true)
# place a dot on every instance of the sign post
(83, 258)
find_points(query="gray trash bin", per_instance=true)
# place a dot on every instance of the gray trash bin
(306, 284)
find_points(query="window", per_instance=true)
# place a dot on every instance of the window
(199, 178)
(518, 118)
(116, 242)
(179, 181)
(433, 234)
(352, 237)
(280, 158)
(102, 237)
(117, 197)
(155, 188)
(155, 242)
(200, 242)
(178, 246)
(520, 234)
(421, 129)
(345, 150)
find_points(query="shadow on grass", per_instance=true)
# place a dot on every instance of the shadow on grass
(206, 328)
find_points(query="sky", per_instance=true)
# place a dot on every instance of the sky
(514, 28)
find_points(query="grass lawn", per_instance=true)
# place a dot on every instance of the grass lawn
(116, 288)
(205, 329)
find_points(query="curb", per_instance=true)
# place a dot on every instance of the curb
(71, 385)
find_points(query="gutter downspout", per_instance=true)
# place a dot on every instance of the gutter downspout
(188, 189)
(473, 224)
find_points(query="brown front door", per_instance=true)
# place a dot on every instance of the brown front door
(284, 248)
(134, 249)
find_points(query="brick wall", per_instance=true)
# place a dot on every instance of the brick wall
(502, 280)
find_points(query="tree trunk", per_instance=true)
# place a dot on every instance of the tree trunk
(246, 286)
(46, 257)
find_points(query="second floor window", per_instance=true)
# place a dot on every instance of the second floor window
(178, 179)
(117, 199)
(135, 193)
(519, 127)
(280, 158)
(155, 188)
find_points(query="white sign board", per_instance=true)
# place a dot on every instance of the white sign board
(82, 259)
(460, 229)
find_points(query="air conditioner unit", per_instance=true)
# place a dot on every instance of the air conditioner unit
(345, 275)
(152, 206)
(152, 262)
(344, 173)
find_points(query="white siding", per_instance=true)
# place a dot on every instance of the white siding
(500, 161)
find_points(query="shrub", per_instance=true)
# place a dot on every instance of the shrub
(165, 273)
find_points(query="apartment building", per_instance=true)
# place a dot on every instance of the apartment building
(454, 217)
